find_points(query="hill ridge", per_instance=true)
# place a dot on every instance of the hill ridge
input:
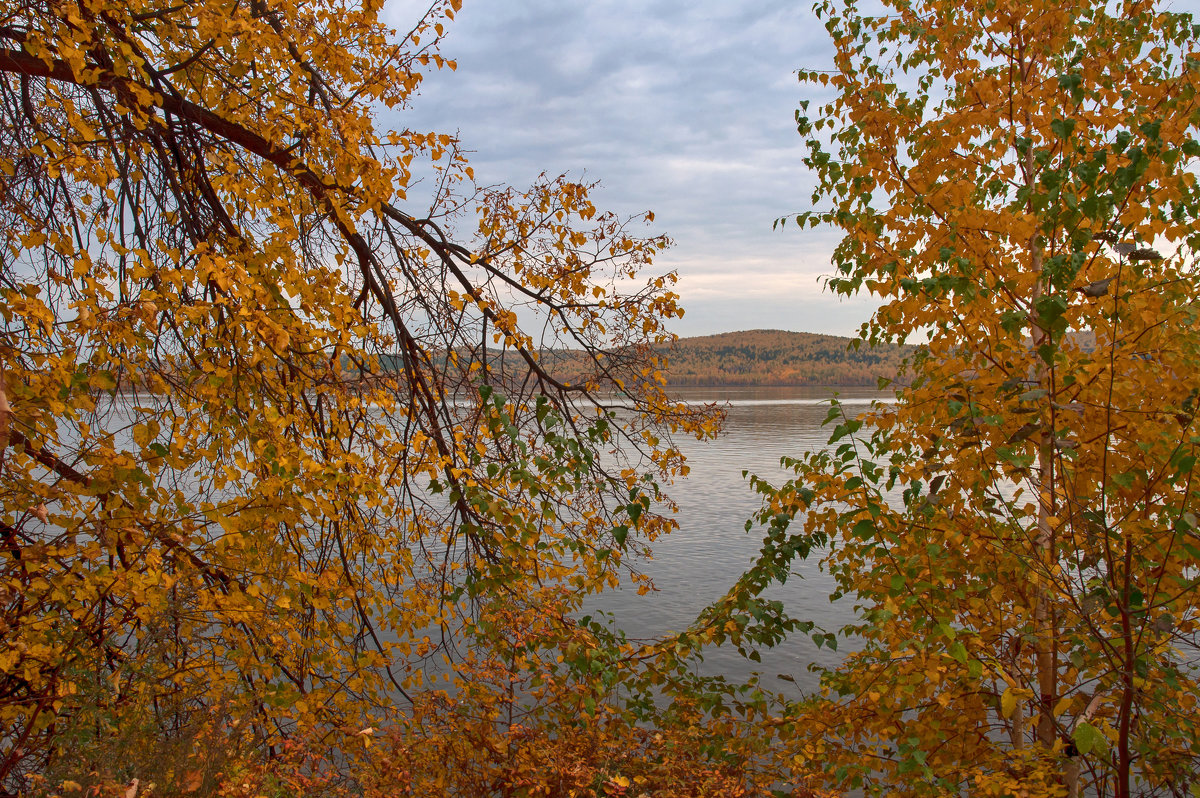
(778, 358)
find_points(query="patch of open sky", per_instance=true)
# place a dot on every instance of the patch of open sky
(683, 108)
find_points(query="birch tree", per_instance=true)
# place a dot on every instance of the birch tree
(1016, 182)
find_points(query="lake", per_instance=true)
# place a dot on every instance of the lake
(695, 565)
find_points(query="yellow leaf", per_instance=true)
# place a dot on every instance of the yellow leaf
(1008, 702)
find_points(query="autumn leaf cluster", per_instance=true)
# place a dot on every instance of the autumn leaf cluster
(1016, 184)
(272, 515)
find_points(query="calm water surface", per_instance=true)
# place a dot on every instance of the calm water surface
(695, 565)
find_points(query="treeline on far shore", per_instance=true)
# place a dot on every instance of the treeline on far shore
(747, 358)
(778, 357)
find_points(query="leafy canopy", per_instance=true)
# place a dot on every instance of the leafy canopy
(276, 446)
(1017, 183)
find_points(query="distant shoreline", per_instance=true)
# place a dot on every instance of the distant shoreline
(777, 358)
(872, 384)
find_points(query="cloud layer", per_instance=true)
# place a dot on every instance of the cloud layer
(683, 107)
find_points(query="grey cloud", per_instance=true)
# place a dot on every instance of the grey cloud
(684, 108)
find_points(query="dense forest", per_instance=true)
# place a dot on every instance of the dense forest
(777, 357)
(749, 357)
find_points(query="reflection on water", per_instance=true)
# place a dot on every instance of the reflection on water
(694, 566)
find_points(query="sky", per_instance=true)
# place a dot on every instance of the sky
(682, 107)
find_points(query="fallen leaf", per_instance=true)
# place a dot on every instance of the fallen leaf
(192, 781)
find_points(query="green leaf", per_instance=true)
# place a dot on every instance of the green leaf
(1088, 738)
(1062, 128)
(864, 529)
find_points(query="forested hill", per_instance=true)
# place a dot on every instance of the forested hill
(776, 357)
(753, 357)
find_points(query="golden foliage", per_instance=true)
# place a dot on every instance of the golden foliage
(257, 482)
(1017, 182)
